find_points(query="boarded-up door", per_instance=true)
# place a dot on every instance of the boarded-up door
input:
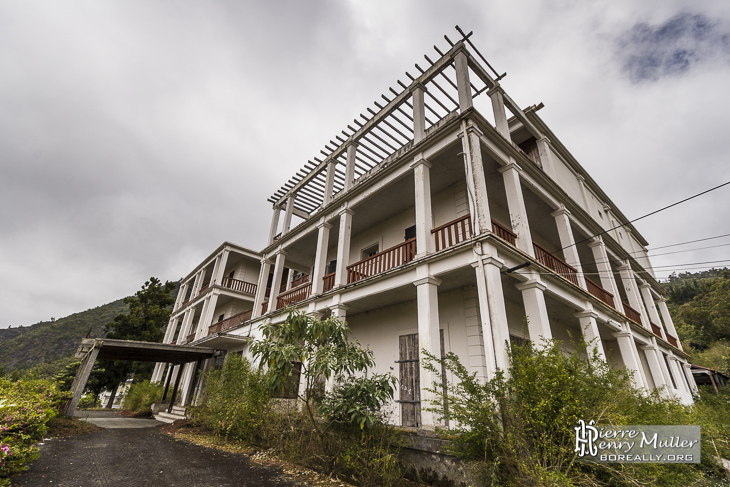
(410, 380)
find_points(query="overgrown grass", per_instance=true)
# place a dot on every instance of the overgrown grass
(517, 429)
(141, 395)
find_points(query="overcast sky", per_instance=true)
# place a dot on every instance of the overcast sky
(136, 136)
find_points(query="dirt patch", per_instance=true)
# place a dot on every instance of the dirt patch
(62, 427)
(186, 431)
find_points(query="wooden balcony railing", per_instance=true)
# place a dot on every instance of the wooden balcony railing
(185, 303)
(656, 329)
(452, 233)
(264, 307)
(600, 293)
(293, 296)
(555, 263)
(632, 314)
(190, 338)
(383, 261)
(329, 282)
(230, 322)
(672, 341)
(238, 285)
(504, 234)
(174, 342)
(203, 289)
(298, 282)
(268, 292)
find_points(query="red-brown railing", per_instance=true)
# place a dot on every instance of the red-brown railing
(452, 233)
(599, 292)
(264, 307)
(190, 338)
(203, 289)
(293, 296)
(268, 292)
(383, 261)
(185, 303)
(300, 281)
(329, 282)
(238, 285)
(504, 234)
(234, 320)
(555, 263)
(174, 342)
(672, 341)
(656, 329)
(632, 314)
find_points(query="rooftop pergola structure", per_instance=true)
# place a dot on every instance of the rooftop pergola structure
(442, 89)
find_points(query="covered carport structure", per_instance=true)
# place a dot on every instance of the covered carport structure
(93, 349)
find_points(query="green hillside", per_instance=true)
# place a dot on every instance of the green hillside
(49, 341)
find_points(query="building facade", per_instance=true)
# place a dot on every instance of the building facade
(448, 219)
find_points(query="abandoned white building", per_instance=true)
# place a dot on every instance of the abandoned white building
(447, 218)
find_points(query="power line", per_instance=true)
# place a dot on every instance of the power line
(688, 242)
(647, 215)
(690, 250)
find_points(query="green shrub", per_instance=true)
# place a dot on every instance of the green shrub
(141, 395)
(25, 408)
(237, 401)
(517, 429)
(88, 401)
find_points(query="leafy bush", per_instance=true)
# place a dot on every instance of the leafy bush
(141, 395)
(25, 408)
(517, 429)
(236, 402)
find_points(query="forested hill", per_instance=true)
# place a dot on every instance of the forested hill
(48, 341)
(700, 307)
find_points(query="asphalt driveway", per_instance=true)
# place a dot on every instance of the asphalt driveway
(128, 454)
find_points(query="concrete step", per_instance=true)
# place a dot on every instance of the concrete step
(166, 417)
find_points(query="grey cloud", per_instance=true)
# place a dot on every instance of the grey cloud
(649, 52)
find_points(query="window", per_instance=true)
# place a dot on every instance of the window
(220, 318)
(370, 251)
(410, 233)
(332, 267)
(230, 276)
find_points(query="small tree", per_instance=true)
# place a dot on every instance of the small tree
(324, 351)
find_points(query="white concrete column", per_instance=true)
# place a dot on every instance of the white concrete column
(287, 214)
(157, 372)
(350, 165)
(461, 63)
(605, 273)
(419, 113)
(500, 113)
(687, 369)
(475, 181)
(567, 242)
(517, 208)
(274, 224)
(424, 218)
(645, 290)
(180, 295)
(428, 339)
(629, 355)
(186, 324)
(261, 288)
(538, 323)
(197, 283)
(276, 284)
(655, 367)
(206, 318)
(591, 335)
(220, 269)
(329, 185)
(546, 156)
(632, 293)
(343, 247)
(667, 318)
(170, 330)
(493, 314)
(320, 257)
(684, 388)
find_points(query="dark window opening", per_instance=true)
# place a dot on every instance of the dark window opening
(410, 233)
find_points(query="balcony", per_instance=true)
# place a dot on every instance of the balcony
(600, 293)
(230, 322)
(298, 282)
(382, 262)
(632, 314)
(556, 264)
(238, 285)
(656, 329)
(672, 341)
(329, 282)
(459, 230)
(294, 296)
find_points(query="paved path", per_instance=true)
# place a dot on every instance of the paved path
(140, 457)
